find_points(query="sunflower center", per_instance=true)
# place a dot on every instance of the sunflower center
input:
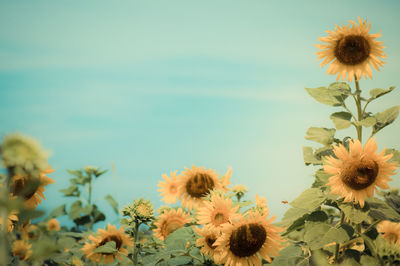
(23, 187)
(210, 240)
(116, 239)
(219, 218)
(391, 237)
(246, 240)
(199, 185)
(360, 175)
(352, 50)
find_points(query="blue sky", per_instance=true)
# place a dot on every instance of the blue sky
(156, 86)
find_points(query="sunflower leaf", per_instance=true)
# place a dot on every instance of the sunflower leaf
(321, 135)
(179, 238)
(291, 255)
(108, 248)
(380, 210)
(366, 122)
(341, 119)
(318, 235)
(396, 155)
(58, 211)
(321, 178)
(334, 95)
(385, 118)
(377, 92)
(354, 213)
(309, 157)
(309, 200)
(112, 202)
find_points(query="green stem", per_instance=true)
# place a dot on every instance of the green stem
(135, 243)
(90, 189)
(360, 112)
(337, 245)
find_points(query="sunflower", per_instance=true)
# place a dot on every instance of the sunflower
(244, 240)
(169, 188)
(351, 49)
(31, 188)
(12, 220)
(110, 234)
(217, 212)
(22, 249)
(390, 231)
(357, 173)
(169, 221)
(261, 205)
(30, 231)
(197, 183)
(53, 225)
(225, 180)
(208, 236)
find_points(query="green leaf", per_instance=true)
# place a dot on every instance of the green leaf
(376, 93)
(181, 260)
(396, 155)
(44, 249)
(350, 262)
(58, 211)
(291, 255)
(75, 210)
(98, 173)
(27, 214)
(309, 200)
(66, 242)
(333, 96)
(71, 191)
(112, 202)
(385, 118)
(341, 119)
(367, 122)
(179, 238)
(354, 213)
(97, 214)
(368, 261)
(321, 135)
(321, 178)
(309, 157)
(292, 215)
(108, 248)
(380, 210)
(318, 235)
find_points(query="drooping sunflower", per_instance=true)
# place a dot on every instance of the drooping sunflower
(357, 173)
(169, 221)
(197, 183)
(351, 49)
(31, 189)
(243, 241)
(390, 231)
(22, 249)
(110, 234)
(170, 188)
(208, 236)
(53, 225)
(217, 212)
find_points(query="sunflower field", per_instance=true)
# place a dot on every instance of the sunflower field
(349, 216)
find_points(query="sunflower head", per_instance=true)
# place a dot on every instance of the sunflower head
(53, 225)
(390, 232)
(140, 211)
(169, 188)
(356, 173)
(352, 50)
(208, 236)
(22, 154)
(197, 183)
(243, 241)
(22, 249)
(30, 232)
(110, 234)
(169, 221)
(12, 221)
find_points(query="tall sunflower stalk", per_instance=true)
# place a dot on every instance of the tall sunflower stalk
(350, 173)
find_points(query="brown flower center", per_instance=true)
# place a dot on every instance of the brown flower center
(391, 237)
(210, 240)
(24, 187)
(352, 50)
(246, 240)
(360, 175)
(220, 218)
(115, 238)
(199, 185)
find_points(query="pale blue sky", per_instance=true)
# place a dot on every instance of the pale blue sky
(156, 86)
